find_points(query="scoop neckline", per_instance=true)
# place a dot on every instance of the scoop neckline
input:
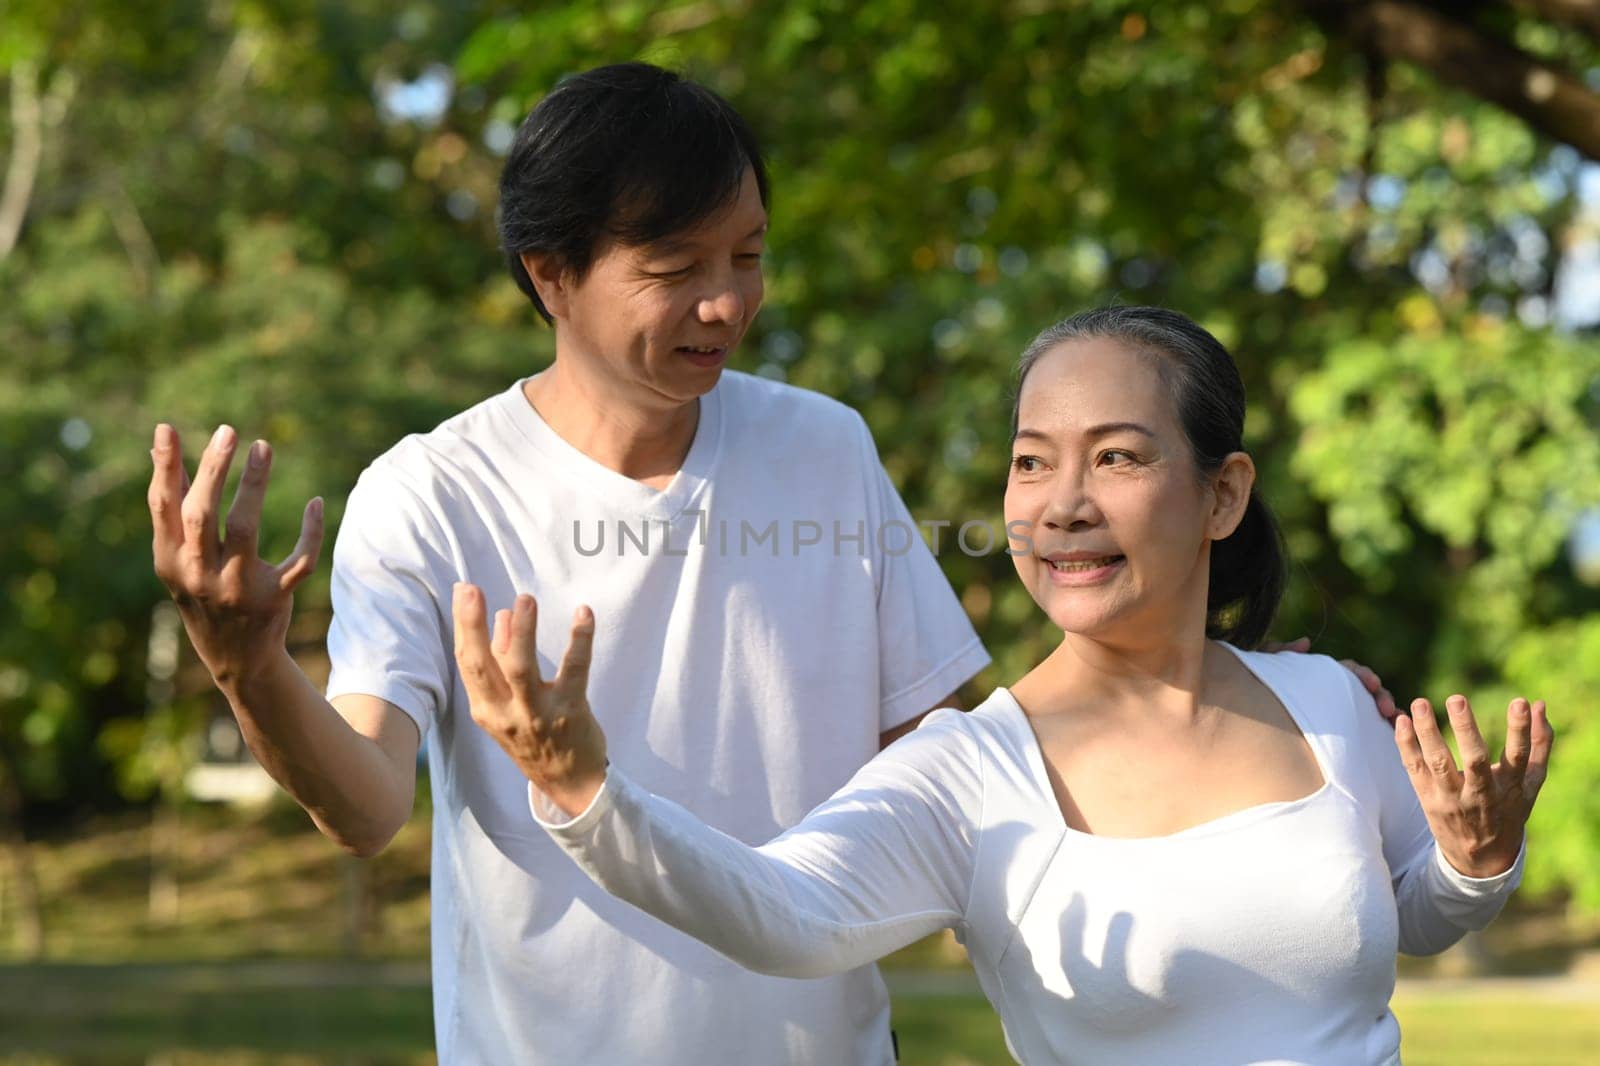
(1244, 816)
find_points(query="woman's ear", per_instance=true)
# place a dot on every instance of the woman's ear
(550, 280)
(1230, 495)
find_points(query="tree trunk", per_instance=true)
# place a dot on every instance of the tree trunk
(30, 915)
(358, 904)
(166, 834)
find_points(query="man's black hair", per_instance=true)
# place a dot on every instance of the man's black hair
(629, 152)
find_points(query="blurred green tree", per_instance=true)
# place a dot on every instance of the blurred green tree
(280, 215)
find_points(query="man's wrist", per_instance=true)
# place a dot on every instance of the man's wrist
(259, 678)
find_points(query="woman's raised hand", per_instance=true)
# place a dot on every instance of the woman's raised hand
(1477, 812)
(545, 726)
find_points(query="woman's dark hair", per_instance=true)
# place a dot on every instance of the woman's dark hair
(630, 152)
(1248, 568)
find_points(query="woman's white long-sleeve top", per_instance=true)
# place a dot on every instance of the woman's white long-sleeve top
(1265, 936)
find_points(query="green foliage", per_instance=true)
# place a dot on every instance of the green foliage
(233, 223)
(1562, 665)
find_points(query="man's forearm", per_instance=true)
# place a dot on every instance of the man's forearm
(346, 781)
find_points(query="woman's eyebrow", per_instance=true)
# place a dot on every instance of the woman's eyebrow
(1100, 430)
(1105, 428)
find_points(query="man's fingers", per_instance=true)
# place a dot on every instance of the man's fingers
(303, 560)
(479, 672)
(167, 482)
(573, 677)
(1474, 750)
(1435, 753)
(244, 517)
(204, 498)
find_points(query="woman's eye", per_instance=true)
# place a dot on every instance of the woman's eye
(749, 258)
(1113, 457)
(1025, 464)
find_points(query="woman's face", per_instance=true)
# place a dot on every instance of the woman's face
(1118, 521)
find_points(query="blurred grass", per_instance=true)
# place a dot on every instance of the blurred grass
(1462, 1030)
(64, 1015)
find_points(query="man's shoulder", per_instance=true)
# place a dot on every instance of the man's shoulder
(764, 395)
(465, 437)
(774, 407)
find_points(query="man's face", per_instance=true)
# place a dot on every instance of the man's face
(661, 319)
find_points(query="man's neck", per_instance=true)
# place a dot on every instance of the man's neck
(645, 444)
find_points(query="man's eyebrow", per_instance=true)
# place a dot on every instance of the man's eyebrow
(666, 246)
(674, 245)
(1100, 430)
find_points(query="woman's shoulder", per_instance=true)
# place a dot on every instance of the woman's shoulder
(1316, 689)
(999, 719)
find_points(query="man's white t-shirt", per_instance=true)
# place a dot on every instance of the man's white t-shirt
(758, 623)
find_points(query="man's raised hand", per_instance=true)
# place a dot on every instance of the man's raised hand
(545, 726)
(234, 605)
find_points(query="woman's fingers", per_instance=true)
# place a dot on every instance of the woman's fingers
(1519, 735)
(1411, 757)
(573, 677)
(516, 647)
(1474, 751)
(479, 672)
(1435, 753)
(1540, 742)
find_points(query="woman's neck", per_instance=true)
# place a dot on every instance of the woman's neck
(1149, 669)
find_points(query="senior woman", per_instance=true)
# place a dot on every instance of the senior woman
(1157, 846)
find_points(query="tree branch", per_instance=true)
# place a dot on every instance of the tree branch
(1578, 14)
(1548, 98)
(27, 146)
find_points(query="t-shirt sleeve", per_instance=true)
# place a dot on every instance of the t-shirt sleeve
(1436, 904)
(887, 860)
(391, 568)
(927, 647)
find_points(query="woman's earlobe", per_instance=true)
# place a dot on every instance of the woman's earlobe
(1231, 492)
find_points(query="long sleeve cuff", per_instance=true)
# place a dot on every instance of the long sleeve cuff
(1471, 902)
(558, 823)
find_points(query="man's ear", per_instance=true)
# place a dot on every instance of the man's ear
(1230, 495)
(550, 280)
